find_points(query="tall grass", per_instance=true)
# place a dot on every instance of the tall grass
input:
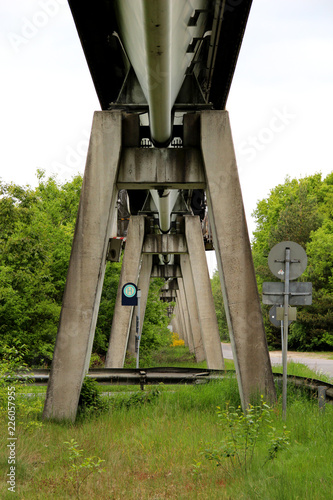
(154, 451)
(153, 448)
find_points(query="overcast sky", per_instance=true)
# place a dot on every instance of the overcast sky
(280, 104)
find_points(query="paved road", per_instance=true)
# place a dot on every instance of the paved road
(315, 363)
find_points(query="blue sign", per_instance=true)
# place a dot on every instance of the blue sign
(129, 295)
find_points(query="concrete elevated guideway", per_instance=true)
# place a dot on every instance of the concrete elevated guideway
(162, 70)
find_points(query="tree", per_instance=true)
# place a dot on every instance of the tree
(36, 230)
(300, 211)
(36, 233)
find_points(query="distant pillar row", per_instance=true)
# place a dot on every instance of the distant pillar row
(114, 162)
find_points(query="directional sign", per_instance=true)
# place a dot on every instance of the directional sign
(298, 262)
(300, 294)
(129, 295)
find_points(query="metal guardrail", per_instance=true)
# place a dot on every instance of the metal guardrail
(166, 375)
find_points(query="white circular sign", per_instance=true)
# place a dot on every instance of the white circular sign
(298, 260)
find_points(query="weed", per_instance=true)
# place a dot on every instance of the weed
(241, 433)
(81, 467)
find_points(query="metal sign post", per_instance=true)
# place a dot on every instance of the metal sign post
(287, 260)
(138, 336)
(285, 333)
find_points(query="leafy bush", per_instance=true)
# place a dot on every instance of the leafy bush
(242, 431)
(90, 401)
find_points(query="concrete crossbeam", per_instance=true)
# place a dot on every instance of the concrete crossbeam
(168, 294)
(164, 244)
(169, 271)
(153, 168)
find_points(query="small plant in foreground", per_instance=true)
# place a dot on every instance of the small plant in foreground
(243, 429)
(81, 467)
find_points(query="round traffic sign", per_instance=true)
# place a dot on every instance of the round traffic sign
(298, 260)
(129, 290)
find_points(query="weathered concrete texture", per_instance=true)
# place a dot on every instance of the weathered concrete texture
(186, 314)
(182, 316)
(122, 316)
(192, 308)
(170, 271)
(234, 258)
(145, 168)
(164, 244)
(86, 268)
(176, 323)
(143, 285)
(203, 292)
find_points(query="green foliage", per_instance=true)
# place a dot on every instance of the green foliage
(241, 432)
(81, 467)
(219, 307)
(137, 399)
(27, 410)
(36, 230)
(90, 401)
(300, 211)
(155, 333)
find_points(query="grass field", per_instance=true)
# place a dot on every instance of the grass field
(153, 447)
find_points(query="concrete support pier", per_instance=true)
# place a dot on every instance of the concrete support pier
(206, 162)
(203, 293)
(234, 258)
(86, 268)
(191, 300)
(143, 285)
(122, 316)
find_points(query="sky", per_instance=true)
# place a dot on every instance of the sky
(280, 103)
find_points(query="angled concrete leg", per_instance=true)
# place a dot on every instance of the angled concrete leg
(122, 316)
(86, 268)
(182, 316)
(203, 291)
(177, 328)
(192, 308)
(186, 315)
(143, 285)
(234, 258)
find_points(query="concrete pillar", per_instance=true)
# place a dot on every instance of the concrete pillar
(122, 316)
(186, 317)
(192, 308)
(182, 318)
(234, 258)
(86, 268)
(143, 285)
(176, 324)
(203, 291)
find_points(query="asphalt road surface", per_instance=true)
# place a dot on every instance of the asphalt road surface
(313, 361)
